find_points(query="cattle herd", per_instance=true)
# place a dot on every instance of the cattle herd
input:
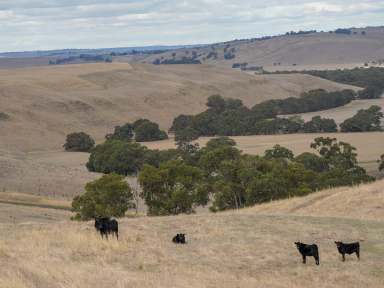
(107, 226)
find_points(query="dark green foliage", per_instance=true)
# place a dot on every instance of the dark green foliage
(146, 131)
(181, 122)
(186, 135)
(235, 180)
(338, 154)
(314, 100)
(109, 196)
(279, 152)
(343, 31)
(143, 130)
(320, 125)
(370, 78)
(173, 61)
(79, 142)
(4, 116)
(381, 161)
(171, 189)
(364, 120)
(116, 156)
(276, 126)
(124, 133)
(229, 117)
(216, 103)
(312, 162)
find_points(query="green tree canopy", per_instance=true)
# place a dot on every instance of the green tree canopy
(279, 152)
(173, 188)
(146, 131)
(109, 196)
(116, 156)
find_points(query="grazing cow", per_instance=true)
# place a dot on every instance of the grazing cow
(308, 250)
(179, 239)
(107, 226)
(348, 248)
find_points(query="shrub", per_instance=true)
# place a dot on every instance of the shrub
(79, 142)
(109, 196)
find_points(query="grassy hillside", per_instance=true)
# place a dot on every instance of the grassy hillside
(294, 52)
(46, 103)
(234, 249)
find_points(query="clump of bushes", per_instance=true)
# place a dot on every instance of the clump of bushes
(79, 142)
(143, 130)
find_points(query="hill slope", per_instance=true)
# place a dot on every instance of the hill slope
(233, 249)
(294, 52)
(46, 103)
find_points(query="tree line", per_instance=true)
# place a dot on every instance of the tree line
(142, 130)
(218, 175)
(371, 79)
(229, 117)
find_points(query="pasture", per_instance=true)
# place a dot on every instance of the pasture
(245, 248)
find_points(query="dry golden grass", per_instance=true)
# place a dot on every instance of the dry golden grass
(47, 103)
(224, 250)
(359, 202)
(314, 51)
(247, 248)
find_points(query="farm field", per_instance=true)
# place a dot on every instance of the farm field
(247, 248)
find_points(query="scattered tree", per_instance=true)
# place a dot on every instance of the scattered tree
(109, 196)
(79, 142)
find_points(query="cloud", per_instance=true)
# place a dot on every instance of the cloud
(50, 24)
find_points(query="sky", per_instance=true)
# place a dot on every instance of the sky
(57, 24)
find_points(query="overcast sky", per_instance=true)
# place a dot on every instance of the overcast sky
(53, 24)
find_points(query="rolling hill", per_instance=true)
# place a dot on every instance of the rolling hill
(46, 103)
(321, 50)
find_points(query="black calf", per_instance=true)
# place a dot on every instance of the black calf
(308, 250)
(179, 239)
(348, 248)
(107, 226)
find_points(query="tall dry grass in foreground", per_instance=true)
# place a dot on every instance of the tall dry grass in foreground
(224, 250)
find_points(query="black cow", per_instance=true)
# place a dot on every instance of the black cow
(348, 248)
(107, 226)
(179, 239)
(308, 250)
